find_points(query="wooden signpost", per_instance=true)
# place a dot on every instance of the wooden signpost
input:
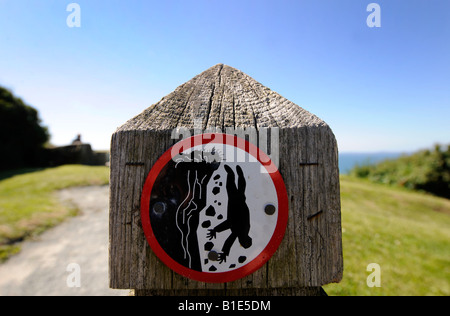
(224, 188)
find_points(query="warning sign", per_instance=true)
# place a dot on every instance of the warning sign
(214, 208)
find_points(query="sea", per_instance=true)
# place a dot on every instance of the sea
(349, 160)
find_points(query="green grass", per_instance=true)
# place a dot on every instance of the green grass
(28, 204)
(406, 233)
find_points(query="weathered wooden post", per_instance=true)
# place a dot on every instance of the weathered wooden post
(168, 238)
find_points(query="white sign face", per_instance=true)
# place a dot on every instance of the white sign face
(235, 224)
(214, 208)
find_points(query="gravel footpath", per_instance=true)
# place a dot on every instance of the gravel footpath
(49, 264)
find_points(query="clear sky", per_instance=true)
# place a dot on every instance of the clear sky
(380, 89)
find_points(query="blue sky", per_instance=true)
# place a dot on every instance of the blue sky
(380, 89)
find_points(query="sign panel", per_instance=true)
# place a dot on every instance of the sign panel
(214, 208)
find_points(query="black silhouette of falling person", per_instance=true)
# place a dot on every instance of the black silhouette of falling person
(238, 215)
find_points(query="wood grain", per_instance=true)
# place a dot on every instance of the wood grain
(222, 99)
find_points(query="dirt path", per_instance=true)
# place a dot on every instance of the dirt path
(48, 265)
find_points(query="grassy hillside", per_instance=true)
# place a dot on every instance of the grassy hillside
(406, 233)
(28, 204)
(427, 170)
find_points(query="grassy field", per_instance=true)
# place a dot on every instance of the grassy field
(28, 204)
(405, 232)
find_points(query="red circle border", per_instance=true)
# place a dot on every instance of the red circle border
(280, 229)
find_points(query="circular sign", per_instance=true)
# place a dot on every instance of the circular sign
(214, 208)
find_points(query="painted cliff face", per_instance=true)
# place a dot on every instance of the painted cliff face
(213, 215)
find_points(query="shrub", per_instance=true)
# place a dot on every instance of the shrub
(427, 170)
(21, 135)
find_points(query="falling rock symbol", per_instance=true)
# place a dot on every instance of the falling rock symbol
(210, 211)
(209, 246)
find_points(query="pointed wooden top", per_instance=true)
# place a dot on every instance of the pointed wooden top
(222, 96)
